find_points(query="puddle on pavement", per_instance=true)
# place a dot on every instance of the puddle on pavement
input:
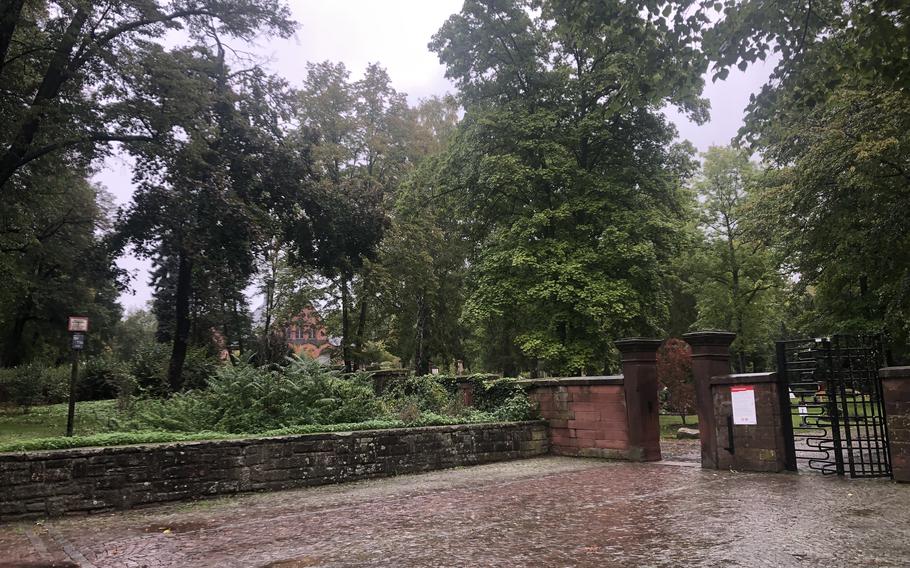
(176, 527)
(38, 565)
(299, 562)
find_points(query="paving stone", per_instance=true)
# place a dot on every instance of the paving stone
(550, 511)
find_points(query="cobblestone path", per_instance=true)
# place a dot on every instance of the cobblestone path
(541, 512)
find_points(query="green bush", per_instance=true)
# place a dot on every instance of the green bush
(100, 377)
(250, 399)
(33, 384)
(412, 398)
(515, 408)
(198, 368)
(427, 393)
(149, 368)
(161, 436)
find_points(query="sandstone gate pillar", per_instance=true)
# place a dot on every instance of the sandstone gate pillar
(896, 397)
(750, 447)
(639, 369)
(710, 358)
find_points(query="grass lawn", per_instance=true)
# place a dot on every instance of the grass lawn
(48, 421)
(670, 423)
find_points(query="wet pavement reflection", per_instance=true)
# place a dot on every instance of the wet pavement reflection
(541, 512)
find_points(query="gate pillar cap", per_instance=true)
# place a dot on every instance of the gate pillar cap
(709, 337)
(894, 373)
(638, 345)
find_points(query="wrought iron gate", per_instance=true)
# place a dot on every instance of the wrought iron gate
(834, 397)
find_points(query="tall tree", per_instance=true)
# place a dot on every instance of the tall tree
(832, 124)
(359, 153)
(569, 175)
(423, 256)
(734, 277)
(206, 193)
(53, 263)
(68, 70)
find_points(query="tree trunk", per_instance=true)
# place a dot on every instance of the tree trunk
(12, 350)
(421, 355)
(9, 19)
(362, 320)
(182, 323)
(54, 78)
(346, 326)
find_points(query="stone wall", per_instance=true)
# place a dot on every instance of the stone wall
(587, 416)
(50, 483)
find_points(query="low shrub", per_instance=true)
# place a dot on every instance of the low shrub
(34, 384)
(163, 436)
(149, 368)
(502, 399)
(198, 368)
(516, 408)
(253, 399)
(100, 378)
(427, 393)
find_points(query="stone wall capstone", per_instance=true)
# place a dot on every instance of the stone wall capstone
(87, 480)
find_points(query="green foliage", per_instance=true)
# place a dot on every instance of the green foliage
(301, 398)
(102, 378)
(499, 398)
(568, 179)
(515, 408)
(136, 329)
(74, 74)
(198, 368)
(153, 436)
(244, 398)
(34, 384)
(733, 277)
(54, 265)
(427, 393)
(422, 276)
(149, 367)
(832, 124)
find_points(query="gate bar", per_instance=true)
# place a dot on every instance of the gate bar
(783, 394)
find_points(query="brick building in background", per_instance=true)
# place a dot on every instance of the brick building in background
(306, 335)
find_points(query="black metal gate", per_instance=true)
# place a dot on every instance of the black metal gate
(834, 398)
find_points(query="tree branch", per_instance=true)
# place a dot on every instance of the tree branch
(92, 138)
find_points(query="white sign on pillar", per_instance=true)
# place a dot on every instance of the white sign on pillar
(743, 399)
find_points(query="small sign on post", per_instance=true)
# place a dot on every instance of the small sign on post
(77, 326)
(743, 399)
(78, 343)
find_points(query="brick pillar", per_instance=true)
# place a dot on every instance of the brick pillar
(750, 447)
(639, 369)
(896, 394)
(710, 358)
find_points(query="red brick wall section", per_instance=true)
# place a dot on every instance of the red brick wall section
(896, 391)
(587, 416)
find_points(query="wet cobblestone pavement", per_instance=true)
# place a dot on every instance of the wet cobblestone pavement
(541, 512)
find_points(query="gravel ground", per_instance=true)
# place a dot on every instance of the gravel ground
(542, 512)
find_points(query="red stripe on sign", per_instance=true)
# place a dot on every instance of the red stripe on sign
(741, 389)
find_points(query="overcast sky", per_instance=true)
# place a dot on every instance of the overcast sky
(395, 33)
